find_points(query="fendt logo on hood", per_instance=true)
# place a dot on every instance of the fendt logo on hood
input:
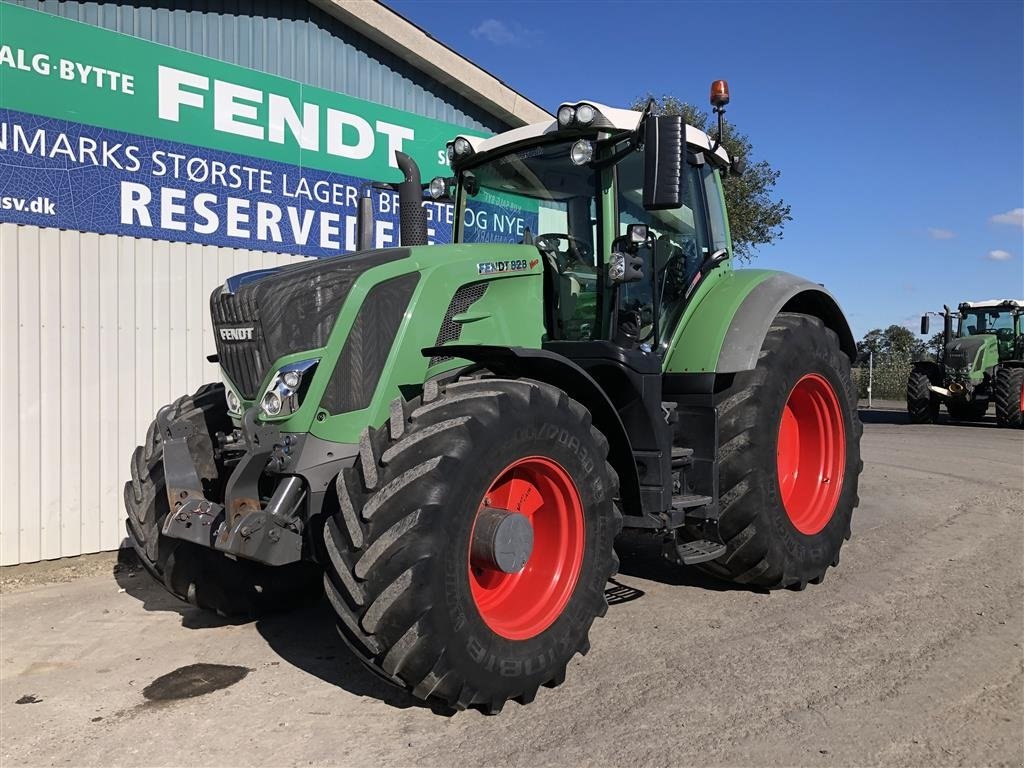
(237, 334)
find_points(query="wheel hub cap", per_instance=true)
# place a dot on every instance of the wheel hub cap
(502, 540)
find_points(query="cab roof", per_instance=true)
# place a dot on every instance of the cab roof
(993, 304)
(612, 117)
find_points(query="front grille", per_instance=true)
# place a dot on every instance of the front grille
(242, 352)
(464, 298)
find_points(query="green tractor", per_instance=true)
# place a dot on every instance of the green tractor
(982, 363)
(449, 438)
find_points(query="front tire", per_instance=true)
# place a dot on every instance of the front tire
(922, 404)
(412, 600)
(200, 576)
(1008, 393)
(789, 459)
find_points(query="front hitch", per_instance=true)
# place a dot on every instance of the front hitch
(240, 527)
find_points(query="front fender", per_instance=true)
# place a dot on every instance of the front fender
(563, 373)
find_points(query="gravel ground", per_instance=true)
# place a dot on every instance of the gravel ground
(910, 653)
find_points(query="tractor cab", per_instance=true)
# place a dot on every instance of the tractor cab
(999, 318)
(624, 207)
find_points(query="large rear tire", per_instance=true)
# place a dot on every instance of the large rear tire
(413, 599)
(789, 459)
(1008, 393)
(922, 404)
(201, 576)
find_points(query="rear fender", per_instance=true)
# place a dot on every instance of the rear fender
(779, 293)
(725, 330)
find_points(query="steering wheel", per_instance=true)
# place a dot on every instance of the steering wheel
(576, 249)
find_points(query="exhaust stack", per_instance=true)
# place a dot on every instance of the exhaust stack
(412, 216)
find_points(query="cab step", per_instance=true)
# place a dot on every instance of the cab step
(681, 457)
(700, 551)
(687, 501)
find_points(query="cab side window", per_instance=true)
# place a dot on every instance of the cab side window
(681, 243)
(716, 208)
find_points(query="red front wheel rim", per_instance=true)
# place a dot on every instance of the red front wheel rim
(811, 453)
(521, 605)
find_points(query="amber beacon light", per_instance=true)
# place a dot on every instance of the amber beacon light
(719, 94)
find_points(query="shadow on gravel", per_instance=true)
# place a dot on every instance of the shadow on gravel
(891, 416)
(305, 637)
(871, 416)
(640, 556)
(308, 639)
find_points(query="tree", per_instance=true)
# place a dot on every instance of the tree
(894, 346)
(935, 343)
(755, 217)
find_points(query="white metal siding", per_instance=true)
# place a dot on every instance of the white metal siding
(96, 333)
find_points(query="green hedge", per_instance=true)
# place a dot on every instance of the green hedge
(889, 382)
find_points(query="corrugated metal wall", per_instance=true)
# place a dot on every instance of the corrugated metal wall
(96, 333)
(288, 38)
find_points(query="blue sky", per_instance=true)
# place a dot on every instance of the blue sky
(898, 127)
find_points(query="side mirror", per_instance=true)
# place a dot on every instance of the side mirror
(664, 148)
(636, 235)
(924, 324)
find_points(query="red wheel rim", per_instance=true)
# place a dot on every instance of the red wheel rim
(521, 605)
(811, 453)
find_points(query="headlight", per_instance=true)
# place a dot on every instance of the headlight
(462, 146)
(272, 404)
(283, 395)
(585, 114)
(234, 402)
(565, 115)
(582, 152)
(438, 187)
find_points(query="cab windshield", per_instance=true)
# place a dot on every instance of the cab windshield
(537, 189)
(537, 195)
(978, 321)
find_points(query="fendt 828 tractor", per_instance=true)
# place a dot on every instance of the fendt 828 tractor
(449, 438)
(982, 363)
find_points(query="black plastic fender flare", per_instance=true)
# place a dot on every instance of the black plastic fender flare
(561, 372)
(781, 292)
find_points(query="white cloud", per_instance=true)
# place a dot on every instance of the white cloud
(940, 234)
(497, 32)
(999, 255)
(1014, 218)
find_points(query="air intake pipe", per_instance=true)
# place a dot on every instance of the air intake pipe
(412, 216)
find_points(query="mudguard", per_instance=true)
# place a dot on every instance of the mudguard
(723, 330)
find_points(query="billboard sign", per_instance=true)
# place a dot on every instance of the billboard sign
(104, 132)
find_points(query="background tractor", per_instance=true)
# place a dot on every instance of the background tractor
(982, 363)
(452, 436)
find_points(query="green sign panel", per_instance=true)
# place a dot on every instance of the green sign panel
(64, 69)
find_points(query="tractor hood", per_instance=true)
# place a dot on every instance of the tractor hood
(259, 317)
(966, 352)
